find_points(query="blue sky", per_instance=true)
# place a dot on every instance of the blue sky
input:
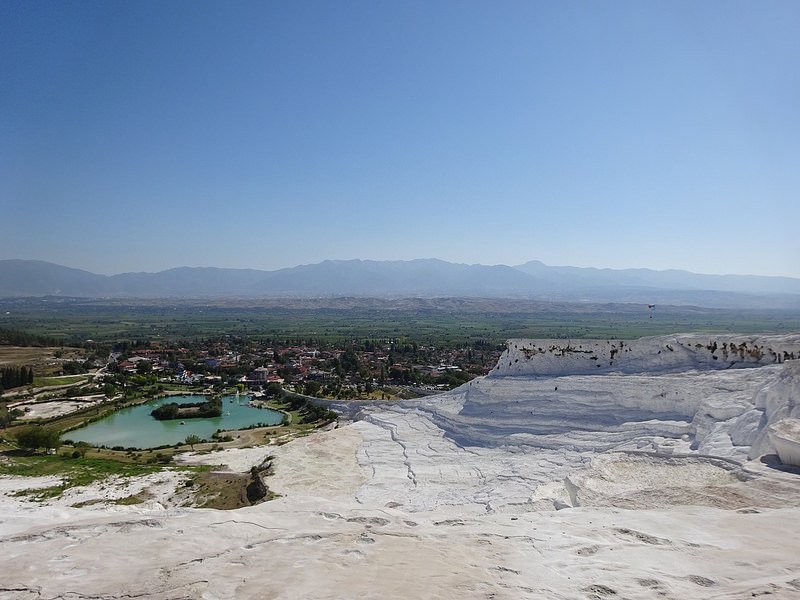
(148, 135)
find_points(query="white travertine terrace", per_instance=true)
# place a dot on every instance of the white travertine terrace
(785, 437)
(652, 477)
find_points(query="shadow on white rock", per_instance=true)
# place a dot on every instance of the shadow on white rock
(777, 400)
(785, 437)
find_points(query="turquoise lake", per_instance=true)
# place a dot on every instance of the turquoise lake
(134, 427)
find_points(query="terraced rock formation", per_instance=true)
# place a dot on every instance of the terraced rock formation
(659, 476)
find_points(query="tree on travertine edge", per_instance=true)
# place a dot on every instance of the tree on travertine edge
(192, 440)
(81, 448)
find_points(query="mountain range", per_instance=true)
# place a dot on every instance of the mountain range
(413, 278)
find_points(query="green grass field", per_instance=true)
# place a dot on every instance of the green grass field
(63, 380)
(72, 471)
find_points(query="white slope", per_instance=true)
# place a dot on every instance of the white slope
(527, 484)
(659, 354)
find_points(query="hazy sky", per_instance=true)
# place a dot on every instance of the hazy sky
(147, 135)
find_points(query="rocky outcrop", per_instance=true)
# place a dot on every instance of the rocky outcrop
(785, 438)
(256, 489)
(659, 354)
(718, 393)
(707, 412)
(778, 399)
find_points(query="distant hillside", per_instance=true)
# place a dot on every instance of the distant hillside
(586, 278)
(663, 287)
(425, 278)
(39, 278)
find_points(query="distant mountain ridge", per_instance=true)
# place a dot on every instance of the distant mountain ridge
(421, 278)
(669, 279)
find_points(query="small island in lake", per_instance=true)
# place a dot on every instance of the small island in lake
(190, 410)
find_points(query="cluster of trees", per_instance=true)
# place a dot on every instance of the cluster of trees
(11, 377)
(14, 337)
(165, 412)
(190, 410)
(37, 436)
(348, 363)
(7, 416)
(310, 411)
(73, 367)
(312, 388)
(454, 378)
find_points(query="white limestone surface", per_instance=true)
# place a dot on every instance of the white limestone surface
(785, 437)
(565, 486)
(609, 412)
(657, 354)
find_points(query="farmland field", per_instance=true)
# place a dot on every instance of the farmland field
(43, 360)
(437, 321)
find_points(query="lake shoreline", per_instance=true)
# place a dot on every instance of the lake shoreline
(134, 427)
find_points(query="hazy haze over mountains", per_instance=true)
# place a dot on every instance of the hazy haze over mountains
(422, 277)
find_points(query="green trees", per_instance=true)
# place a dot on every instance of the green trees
(7, 416)
(166, 412)
(312, 388)
(11, 377)
(274, 390)
(349, 361)
(73, 367)
(143, 367)
(188, 410)
(80, 449)
(14, 337)
(37, 436)
(192, 440)
(311, 412)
